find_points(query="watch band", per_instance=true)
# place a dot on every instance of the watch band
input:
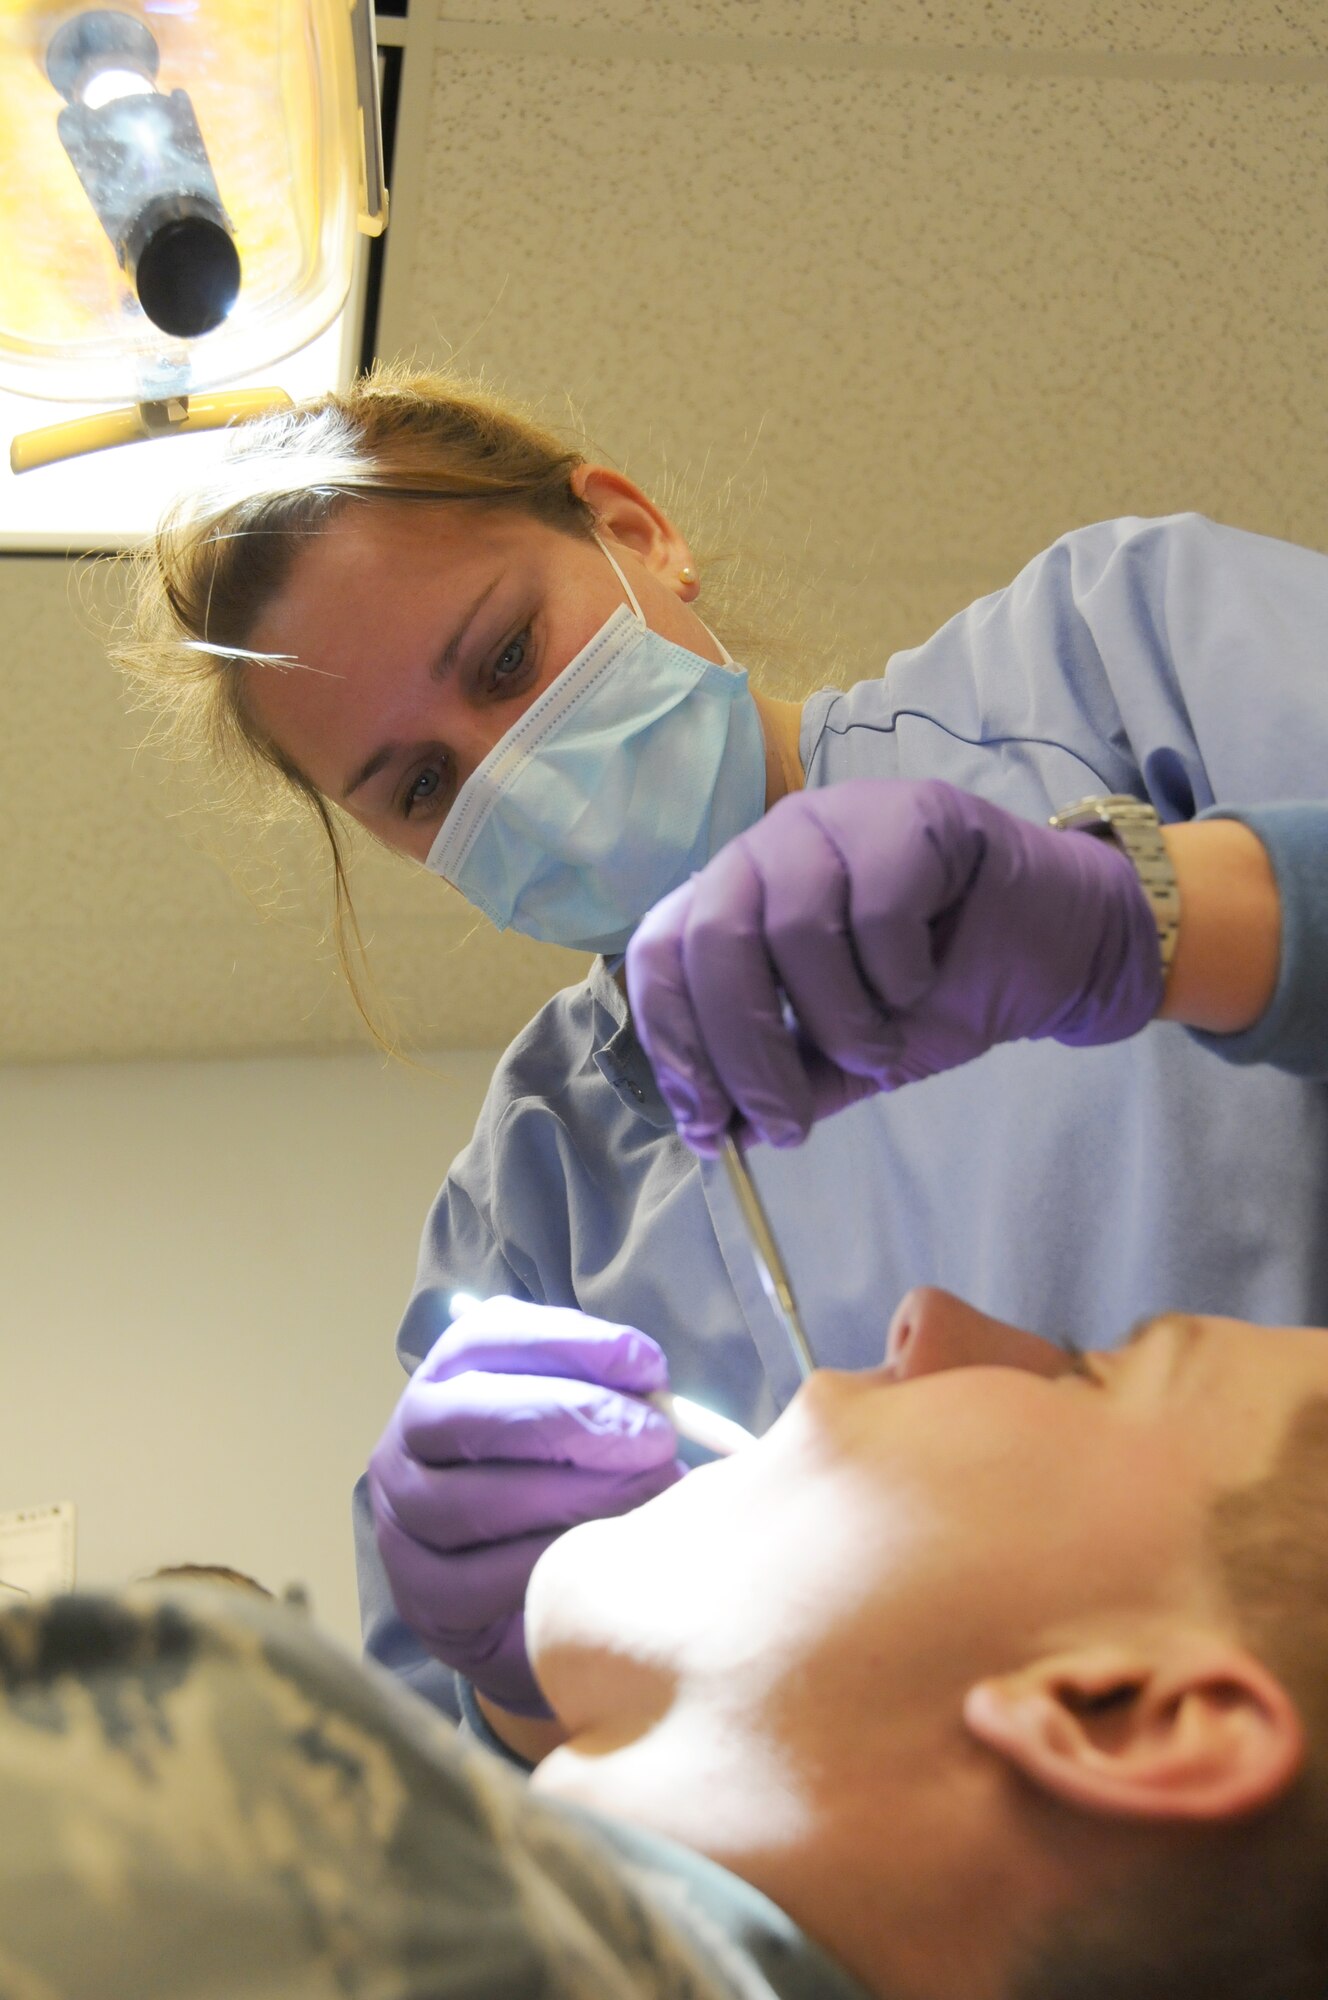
(1134, 826)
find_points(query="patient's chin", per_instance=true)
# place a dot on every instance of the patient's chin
(594, 1682)
(563, 1596)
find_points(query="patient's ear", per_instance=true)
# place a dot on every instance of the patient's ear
(1185, 1726)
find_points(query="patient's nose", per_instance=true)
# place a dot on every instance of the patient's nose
(932, 1331)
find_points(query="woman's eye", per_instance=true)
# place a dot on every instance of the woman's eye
(512, 659)
(422, 789)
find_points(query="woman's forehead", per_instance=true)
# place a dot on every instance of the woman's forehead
(462, 531)
(380, 562)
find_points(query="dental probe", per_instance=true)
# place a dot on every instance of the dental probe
(691, 1420)
(699, 1425)
(765, 1253)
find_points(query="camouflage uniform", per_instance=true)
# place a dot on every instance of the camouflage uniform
(200, 1796)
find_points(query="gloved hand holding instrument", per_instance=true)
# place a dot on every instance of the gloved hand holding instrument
(522, 1421)
(873, 933)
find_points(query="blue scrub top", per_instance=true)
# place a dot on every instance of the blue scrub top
(1072, 1191)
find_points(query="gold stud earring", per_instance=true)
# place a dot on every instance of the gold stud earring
(687, 574)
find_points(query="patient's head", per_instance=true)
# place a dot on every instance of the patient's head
(997, 1668)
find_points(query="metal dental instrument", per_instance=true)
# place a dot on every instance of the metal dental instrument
(765, 1251)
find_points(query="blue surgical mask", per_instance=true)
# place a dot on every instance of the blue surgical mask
(631, 769)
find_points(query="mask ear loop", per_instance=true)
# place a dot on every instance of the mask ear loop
(614, 565)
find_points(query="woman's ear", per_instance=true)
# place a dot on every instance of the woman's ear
(630, 518)
(1186, 1727)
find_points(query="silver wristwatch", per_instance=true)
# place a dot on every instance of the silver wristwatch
(1134, 827)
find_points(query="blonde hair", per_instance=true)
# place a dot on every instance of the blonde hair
(198, 590)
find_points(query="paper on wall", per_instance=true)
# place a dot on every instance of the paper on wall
(36, 1551)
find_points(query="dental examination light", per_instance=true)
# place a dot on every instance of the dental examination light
(181, 187)
(141, 158)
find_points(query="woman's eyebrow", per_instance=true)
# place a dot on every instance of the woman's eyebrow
(448, 657)
(442, 666)
(370, 769)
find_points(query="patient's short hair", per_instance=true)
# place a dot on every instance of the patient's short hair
(208, 1573)
(1238, 1912)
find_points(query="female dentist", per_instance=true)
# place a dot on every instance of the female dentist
(411, 603)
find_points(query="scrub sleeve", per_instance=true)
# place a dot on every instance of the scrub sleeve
(1292, 1032)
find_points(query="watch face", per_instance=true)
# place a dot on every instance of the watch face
(1103, 811)
(1083, 814)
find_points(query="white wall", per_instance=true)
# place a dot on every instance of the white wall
(203, 1268)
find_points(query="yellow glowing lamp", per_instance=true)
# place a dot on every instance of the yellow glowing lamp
(181, 186)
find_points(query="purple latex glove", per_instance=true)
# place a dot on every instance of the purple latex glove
(510, 1430)
(908, 925)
